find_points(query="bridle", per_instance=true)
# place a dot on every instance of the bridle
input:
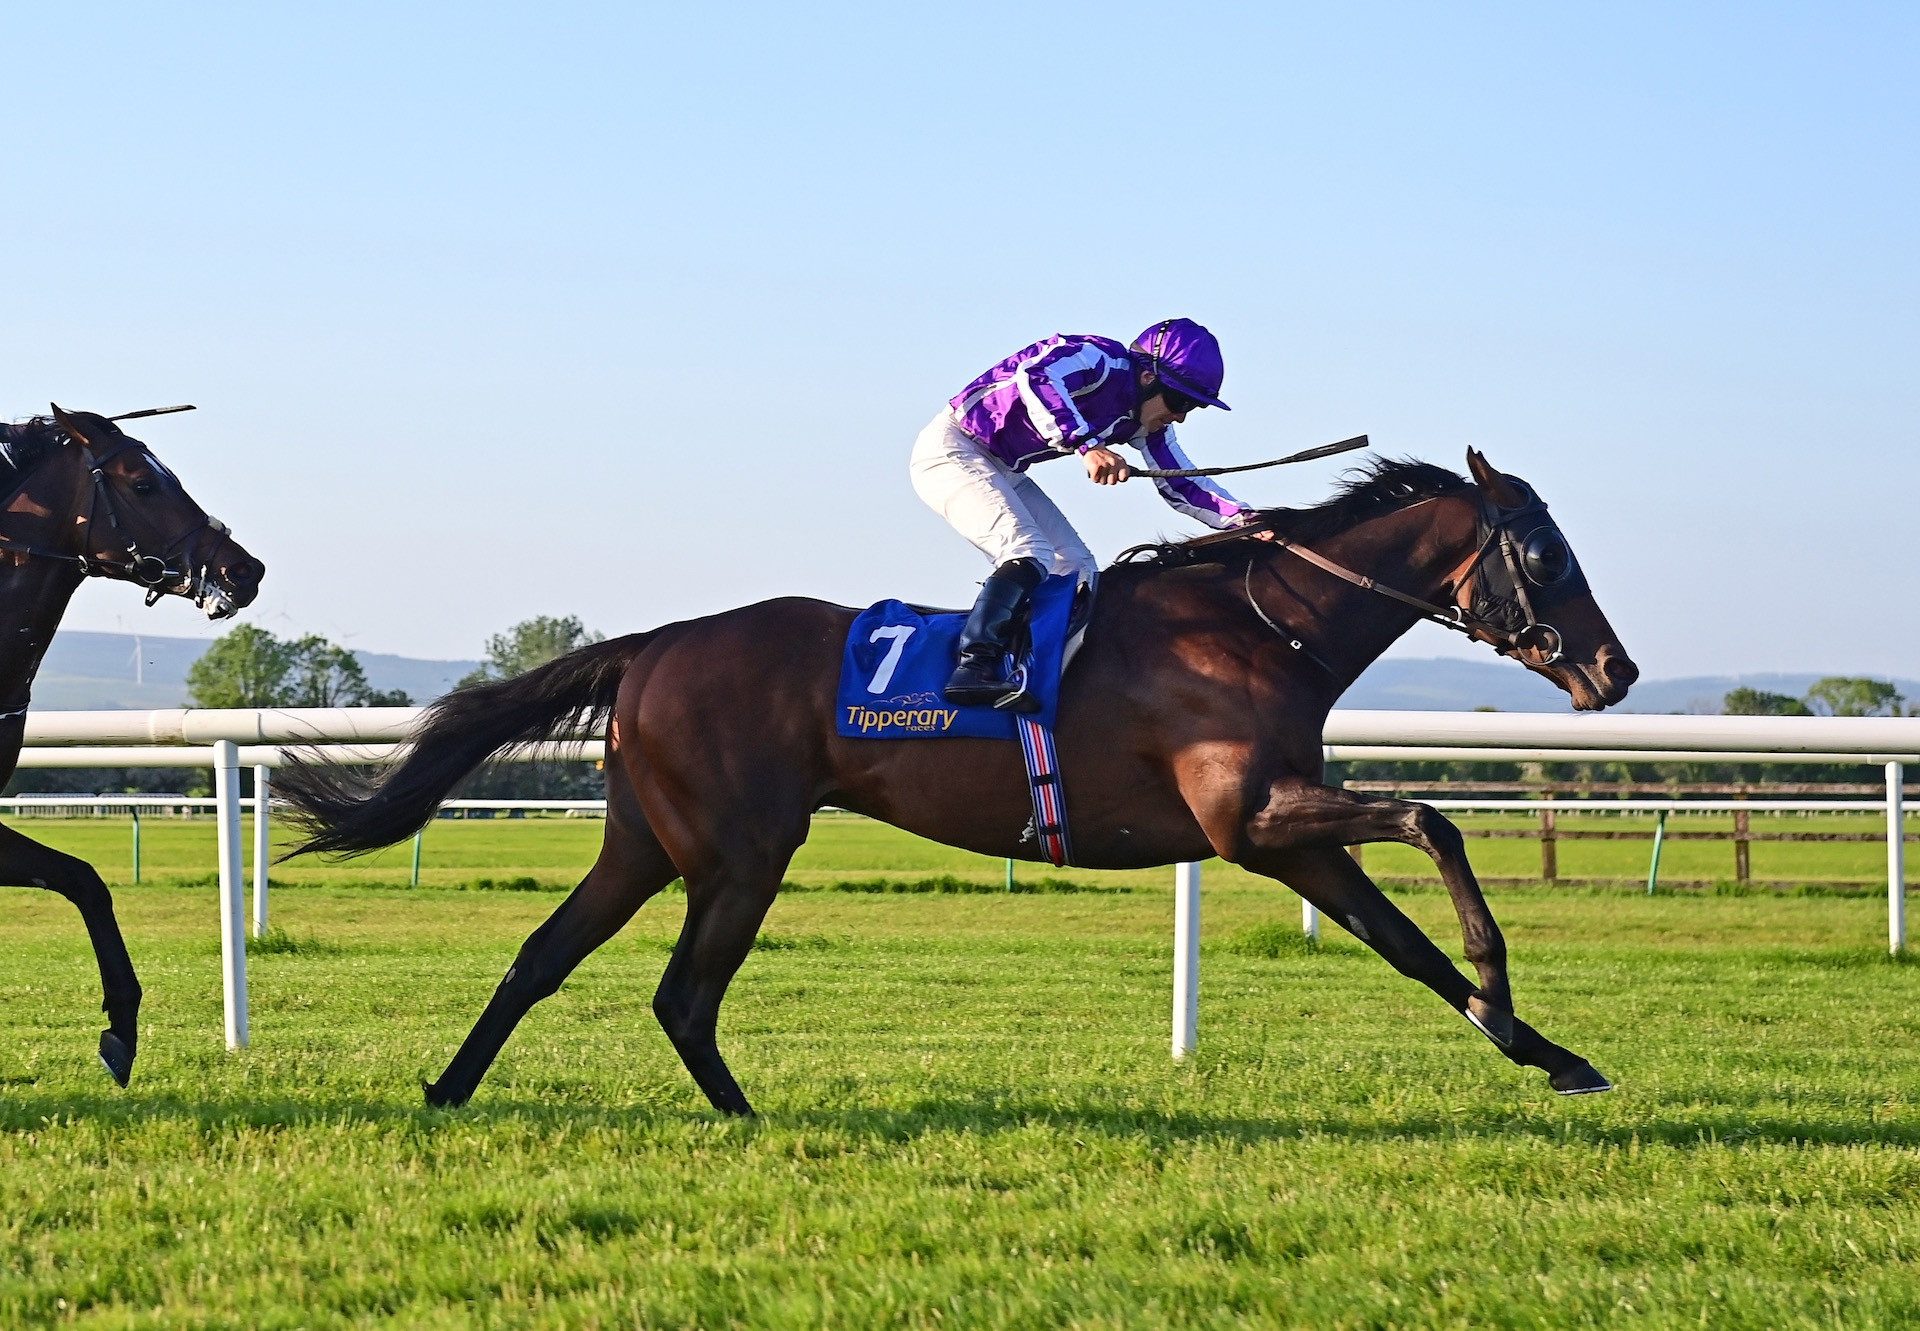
(1533, 553)
(156, 572)
(1516, 548)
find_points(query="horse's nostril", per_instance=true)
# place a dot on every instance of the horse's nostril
(1620, 670)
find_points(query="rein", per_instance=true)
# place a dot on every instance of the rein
(1473, 619)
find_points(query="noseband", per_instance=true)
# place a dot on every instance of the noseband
(154, 572)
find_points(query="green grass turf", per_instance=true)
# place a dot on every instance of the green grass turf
(554, 852)
(968, 1116)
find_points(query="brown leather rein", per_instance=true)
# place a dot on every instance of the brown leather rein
(1474, 618)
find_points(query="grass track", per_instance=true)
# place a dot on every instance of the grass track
(969, 1119)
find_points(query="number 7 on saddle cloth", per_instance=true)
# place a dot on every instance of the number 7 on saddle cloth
(897, 658)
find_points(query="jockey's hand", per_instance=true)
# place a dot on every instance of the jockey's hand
(1106, 467)
(1249, 517)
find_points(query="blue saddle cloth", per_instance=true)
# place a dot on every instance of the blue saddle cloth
(897, 660)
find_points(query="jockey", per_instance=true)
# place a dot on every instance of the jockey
(1067, 394)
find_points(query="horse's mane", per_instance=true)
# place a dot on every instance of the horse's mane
(1376, 487)
(24, 446)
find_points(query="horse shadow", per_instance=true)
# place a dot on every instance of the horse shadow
(984, 1115)
(1550, 1121)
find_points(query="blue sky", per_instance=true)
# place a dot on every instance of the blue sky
(633, 313)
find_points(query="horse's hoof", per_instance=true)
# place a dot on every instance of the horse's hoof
(1580, 1079)
(117, 1057)
(439, 1099)
(1490, 1021)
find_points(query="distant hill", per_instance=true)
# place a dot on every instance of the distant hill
(95, 672)
(1453, 685)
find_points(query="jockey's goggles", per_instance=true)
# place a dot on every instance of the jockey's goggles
(1178, 401)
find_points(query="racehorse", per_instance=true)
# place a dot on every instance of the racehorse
(85, 500)
(1190, 725)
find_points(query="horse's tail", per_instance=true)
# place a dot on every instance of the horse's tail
(343, 813)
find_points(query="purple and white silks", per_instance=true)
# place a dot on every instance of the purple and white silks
(1066, 394)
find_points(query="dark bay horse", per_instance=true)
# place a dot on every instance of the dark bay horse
(1190, 726)
(86, 500)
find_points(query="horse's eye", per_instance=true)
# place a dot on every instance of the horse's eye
(143, 487)
(1545, 557)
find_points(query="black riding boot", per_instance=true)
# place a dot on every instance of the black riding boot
(985, 674)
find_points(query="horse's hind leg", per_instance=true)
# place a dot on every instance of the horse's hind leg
(724, 913)
(24, 862)
(632, 867)
(1341, 889)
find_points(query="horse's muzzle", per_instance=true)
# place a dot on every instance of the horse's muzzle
(225, 591)
(1606, 680)
(1617, 673)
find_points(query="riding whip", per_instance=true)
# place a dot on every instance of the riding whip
(1305, 455)
(152, 411)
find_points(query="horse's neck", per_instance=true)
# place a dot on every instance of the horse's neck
(33, 597)
(35, 589)
(1348, 627)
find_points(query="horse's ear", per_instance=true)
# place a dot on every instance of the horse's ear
(1495, 485)
(69, 426)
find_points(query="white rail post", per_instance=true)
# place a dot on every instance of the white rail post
(1186, 958)
(233, 939)
(262, 845)
(1896, 862)
(1309, 919)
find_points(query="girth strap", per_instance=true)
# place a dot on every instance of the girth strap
(1049, 794)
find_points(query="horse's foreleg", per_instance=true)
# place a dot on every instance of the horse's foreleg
(632, 868)
(24, 862)
(1302, 815)
(1330, 879)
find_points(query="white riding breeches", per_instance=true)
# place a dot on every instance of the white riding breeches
(1001, 511)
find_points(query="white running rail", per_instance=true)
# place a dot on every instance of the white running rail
(226, 739)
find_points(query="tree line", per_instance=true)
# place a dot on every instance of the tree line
(1836, 695)
(250, 667)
